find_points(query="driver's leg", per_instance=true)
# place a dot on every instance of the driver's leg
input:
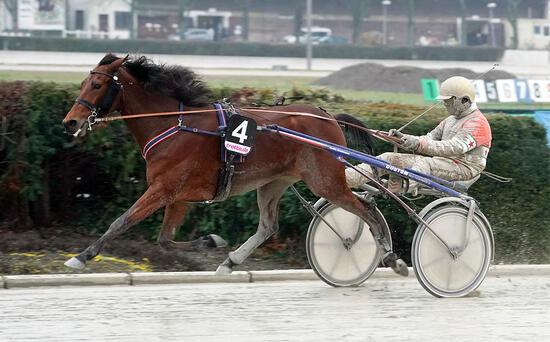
(436, 166)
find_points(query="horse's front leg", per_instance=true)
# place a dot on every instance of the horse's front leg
(174, 214)
(153, 199)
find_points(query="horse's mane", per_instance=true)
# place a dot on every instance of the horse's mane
(173, 80)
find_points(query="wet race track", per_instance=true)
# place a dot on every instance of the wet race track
(390, 309)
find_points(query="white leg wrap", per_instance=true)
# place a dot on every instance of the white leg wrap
(240, 255)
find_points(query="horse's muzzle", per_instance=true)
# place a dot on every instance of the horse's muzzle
(72, 127)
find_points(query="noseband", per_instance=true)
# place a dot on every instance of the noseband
(106, 103)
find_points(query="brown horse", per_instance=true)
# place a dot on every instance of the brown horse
(184, 167)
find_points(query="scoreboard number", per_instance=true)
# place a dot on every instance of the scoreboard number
(481, 93)
(491, 91)
(539, 90)
(506, 90)
(430, 89)
(522, 90)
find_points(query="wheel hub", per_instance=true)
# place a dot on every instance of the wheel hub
(348, 242)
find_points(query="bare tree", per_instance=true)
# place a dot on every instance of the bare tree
(183, 6)
(298, 19)
(133, 6)
(410, 25)
(11, 6)
(464, 28)
(512, 13)
(244, 5)
(359, 9)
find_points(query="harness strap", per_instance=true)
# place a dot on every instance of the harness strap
(157, 139)
(224, 112)
(86, 104)
(108, 99)
(170, 132)
(221, 114)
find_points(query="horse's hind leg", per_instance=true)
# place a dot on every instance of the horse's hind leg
(269, 197)
(147, 204)
(174, 214)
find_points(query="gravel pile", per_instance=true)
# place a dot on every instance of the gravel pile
(399, 79)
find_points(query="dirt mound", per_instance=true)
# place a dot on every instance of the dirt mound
(399, 79)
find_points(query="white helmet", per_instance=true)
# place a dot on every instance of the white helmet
(458, 87)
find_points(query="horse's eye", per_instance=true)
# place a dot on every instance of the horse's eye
(97, 86)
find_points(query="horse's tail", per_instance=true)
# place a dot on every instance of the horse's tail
(361, 138)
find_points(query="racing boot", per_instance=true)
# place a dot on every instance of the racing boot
(355, 179)
(397, 265)
(395, 182)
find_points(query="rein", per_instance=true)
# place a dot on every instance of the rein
(376, 133)
(115, 87)
(146, 115)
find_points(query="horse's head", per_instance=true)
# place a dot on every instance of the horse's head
(99, 95)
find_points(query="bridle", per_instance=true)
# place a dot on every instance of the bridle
(114, 88)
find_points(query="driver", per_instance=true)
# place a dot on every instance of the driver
(455, 150)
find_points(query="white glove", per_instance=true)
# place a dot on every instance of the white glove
(410, 142)
(395, 133)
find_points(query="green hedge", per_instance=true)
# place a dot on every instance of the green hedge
(45, 174)
(251, 49)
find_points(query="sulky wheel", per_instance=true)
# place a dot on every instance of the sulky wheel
(347, 258)
(440, 272)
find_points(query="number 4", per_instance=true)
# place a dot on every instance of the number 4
(240, 132)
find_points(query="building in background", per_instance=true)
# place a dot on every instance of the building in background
(109, 19)
(533, 33)
(41, 15)
(420, 22)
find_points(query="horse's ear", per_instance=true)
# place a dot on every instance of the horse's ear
(116, 64)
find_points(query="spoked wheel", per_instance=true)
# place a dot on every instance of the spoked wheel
(348, 256)
(439, 271)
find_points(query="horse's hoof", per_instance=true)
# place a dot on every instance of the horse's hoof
(396, 264)
(75, 263)
(218, 241)
(209, 241)
(401, 268)
(223, 270)
(225, 267)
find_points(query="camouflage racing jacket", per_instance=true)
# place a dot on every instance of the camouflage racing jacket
(465, 139)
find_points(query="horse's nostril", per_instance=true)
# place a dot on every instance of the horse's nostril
(70, 124)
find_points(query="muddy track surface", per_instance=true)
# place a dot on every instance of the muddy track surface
(43, 251)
